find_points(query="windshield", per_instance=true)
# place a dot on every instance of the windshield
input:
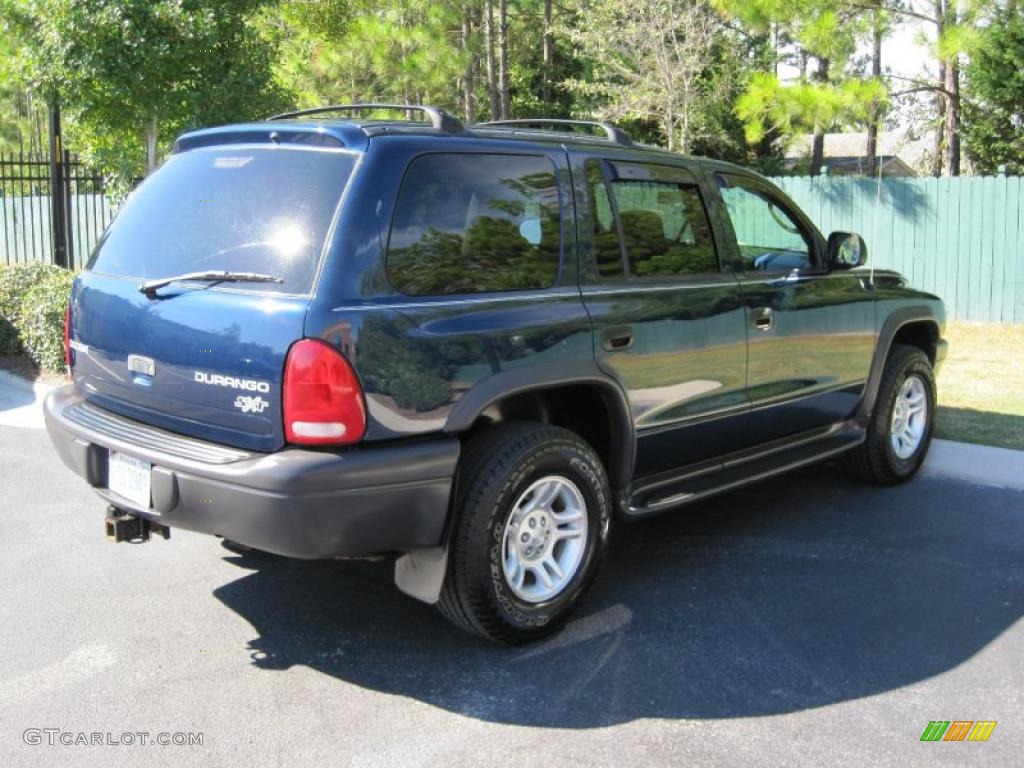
(263, 210)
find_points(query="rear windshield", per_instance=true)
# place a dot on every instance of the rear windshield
(247, 209)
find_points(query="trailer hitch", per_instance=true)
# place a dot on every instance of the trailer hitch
(122, 526)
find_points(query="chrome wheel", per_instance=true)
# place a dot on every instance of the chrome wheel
(909, 418)
(544, 539)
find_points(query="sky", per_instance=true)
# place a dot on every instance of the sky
(903, 53)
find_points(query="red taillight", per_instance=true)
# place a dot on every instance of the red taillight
(323, 402)
(67, 336)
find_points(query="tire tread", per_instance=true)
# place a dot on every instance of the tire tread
(870, 460)
(488, 456)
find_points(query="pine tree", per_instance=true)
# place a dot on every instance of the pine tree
(993, 110)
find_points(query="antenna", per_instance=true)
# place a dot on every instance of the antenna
(874, 217)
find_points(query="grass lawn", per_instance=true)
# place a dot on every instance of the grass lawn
(981, 385)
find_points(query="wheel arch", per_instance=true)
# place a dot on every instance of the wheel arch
(575, 395)
(916, 326)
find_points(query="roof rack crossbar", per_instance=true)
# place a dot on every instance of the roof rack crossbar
(439, 119)
(613, 134)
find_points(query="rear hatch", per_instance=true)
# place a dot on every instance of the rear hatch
(206, 358)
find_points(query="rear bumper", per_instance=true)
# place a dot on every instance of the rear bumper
(299, 503)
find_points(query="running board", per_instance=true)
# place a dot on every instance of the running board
(700, 481)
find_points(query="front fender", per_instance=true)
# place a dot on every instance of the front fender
(897, 319)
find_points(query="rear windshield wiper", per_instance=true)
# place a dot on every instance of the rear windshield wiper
(150, 287)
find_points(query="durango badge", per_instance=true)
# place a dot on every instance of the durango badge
(249, 404)
(251, 385)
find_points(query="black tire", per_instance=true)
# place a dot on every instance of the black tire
(875, 460)
(497, 467)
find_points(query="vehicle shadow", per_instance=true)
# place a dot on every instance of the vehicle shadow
(801, 592)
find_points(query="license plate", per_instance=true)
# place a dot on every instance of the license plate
(129, 477)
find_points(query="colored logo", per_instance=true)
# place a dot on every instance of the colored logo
(958, 730)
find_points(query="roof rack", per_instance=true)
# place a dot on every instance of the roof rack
(439, 119)
(613, 134)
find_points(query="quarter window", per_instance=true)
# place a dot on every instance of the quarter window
(769, 237)
(471, 223)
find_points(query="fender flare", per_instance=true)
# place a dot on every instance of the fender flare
(542, 376)
(896, 320)
(421, 573)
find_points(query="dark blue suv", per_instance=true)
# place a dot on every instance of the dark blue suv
(475, 348)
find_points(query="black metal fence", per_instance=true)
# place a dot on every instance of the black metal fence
(29, 217)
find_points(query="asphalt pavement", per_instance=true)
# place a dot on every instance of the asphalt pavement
(806, 621)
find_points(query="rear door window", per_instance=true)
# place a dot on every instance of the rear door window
(243, 209)
(474, 223)
(660, 221)
(608, 253)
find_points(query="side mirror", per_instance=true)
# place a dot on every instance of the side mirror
(846, 250)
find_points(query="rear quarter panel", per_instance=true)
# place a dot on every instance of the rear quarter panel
(417, 356)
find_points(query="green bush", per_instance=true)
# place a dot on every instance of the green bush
(14, 284)
(33, 300)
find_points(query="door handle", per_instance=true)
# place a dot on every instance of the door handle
(617, 339)
(762, 318)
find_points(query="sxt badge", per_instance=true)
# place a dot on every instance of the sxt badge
(249, 404)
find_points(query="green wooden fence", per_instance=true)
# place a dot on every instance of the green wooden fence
(962, 238)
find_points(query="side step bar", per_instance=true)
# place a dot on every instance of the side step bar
(700, 481)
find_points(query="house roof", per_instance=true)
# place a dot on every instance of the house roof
(903, 152)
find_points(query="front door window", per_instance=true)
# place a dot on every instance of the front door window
(769, 237)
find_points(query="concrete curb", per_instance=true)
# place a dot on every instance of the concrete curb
(979, 464)
(21, 401)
